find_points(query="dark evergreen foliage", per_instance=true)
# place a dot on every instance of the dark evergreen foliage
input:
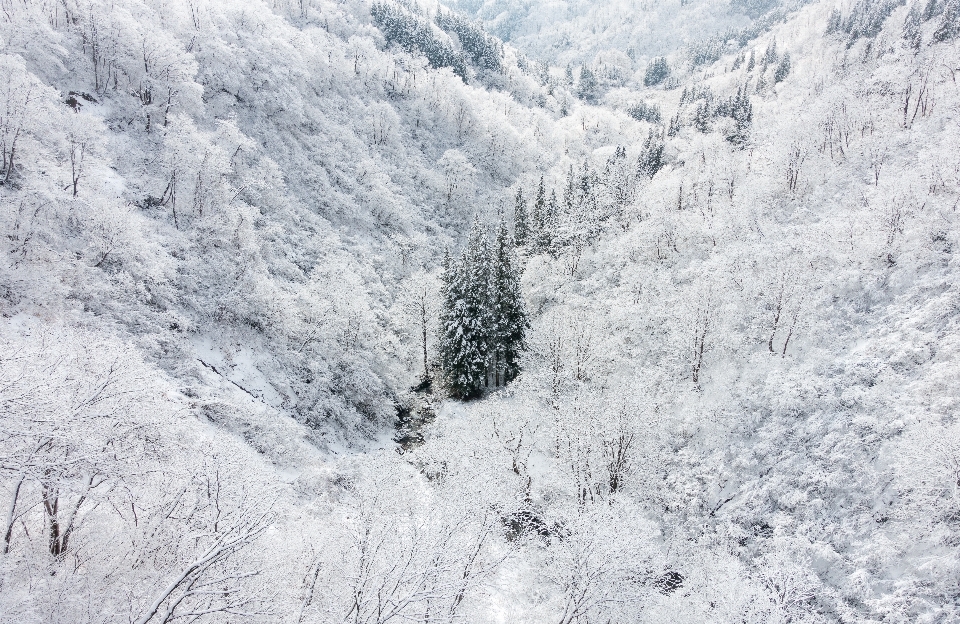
(701, 117)
(657, 72)
(483, 320)
(866, 18)
(783, 68)
(770, 56)
(416, 36)
(706, 52)
(835, 22)
(587, 87)
(508, 322)
(464, 319)
(483, 50)
(673, 129)
(645, 112)
(651, 156)
(740, 110)
(949, 26)
(520, 223)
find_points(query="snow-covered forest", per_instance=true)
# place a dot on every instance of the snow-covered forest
(506, 311)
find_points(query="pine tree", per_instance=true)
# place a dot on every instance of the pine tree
(464, 320)
(742, 112)
(551, 217)
(770, 56)
(570, 192)
(783, 69)
(651, 157)
(521, 226)
(508, 322)
(657, 72)
(587, 88)
(539, 208)
(701, 117)
(673, 129)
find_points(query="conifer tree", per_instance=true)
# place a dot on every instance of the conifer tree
(701, 117)
(552, 215)
(587, 88)
(464, 319)
(536, 216)
(657, 72)
(770, 56)
(508, 322)
(674, 128)
(570, 192)
(783, 69)
(521, 226)
(651, 157)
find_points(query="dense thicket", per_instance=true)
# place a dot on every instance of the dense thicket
(484, 51)
(416, 35)
(483, 318)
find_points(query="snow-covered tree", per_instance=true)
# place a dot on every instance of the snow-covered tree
(508, 315)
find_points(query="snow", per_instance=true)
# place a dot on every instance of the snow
(739, 398)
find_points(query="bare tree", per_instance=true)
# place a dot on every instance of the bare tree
(794, 162)
(702, 321)
(211, 576)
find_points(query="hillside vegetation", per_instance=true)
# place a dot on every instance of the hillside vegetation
(227, 230)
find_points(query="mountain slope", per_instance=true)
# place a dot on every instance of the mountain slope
(738, 402)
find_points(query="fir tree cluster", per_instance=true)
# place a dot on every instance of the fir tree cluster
(417, 36)
(483, 320)
(646, 112)
(657, 71)
(484, 51)
(535, 227)
(707, 107)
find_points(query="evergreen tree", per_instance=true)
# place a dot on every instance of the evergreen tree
(587, 88)
(673, 129)
(742, 112)
(701, 117)
(464, 320)
(539, 210)
(783, 69)
(550, 218)
(520, 224)
(415, 35)
(570, 192)
(770, 56)
(651, 156)
(752, 62)
(835, 22)
(645, 112)
(657, 72)
(508, 322)
(483, 321)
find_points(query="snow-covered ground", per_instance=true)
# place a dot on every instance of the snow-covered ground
(223, 224)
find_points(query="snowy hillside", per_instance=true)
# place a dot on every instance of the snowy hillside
(239, 285)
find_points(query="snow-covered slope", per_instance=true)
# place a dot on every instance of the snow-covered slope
(223, 219)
